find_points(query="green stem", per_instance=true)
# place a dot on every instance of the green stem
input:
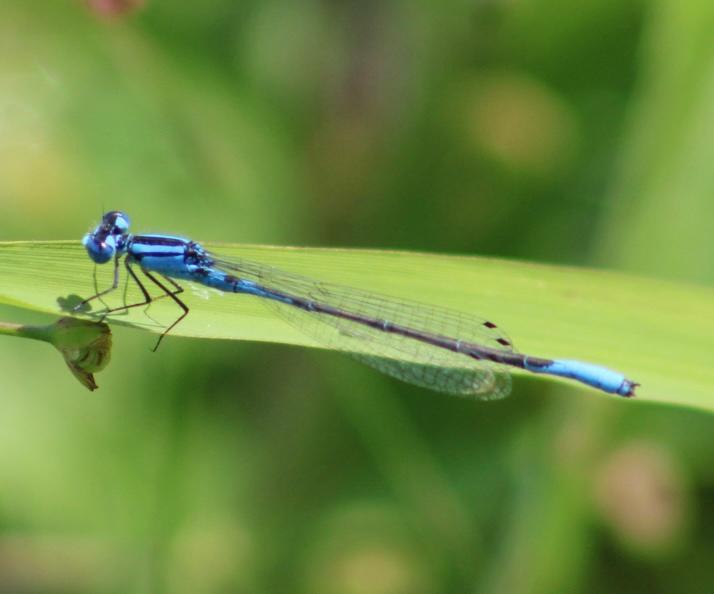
(25, 331)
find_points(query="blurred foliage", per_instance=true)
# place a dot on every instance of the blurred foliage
(575, 133)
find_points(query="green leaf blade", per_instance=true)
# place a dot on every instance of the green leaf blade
(658, 333)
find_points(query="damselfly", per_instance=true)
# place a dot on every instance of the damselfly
(428, 346)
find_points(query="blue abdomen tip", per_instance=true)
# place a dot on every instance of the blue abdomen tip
(587, 373)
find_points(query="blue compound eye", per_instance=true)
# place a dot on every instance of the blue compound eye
(99, 250)
(118, 221)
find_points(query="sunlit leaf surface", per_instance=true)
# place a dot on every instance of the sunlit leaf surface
(655, 332)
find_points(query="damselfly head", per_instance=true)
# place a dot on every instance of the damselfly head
(108, 238)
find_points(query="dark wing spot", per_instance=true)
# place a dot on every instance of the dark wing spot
(503, 341)
(490, 325)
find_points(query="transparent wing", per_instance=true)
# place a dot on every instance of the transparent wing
(408, 359)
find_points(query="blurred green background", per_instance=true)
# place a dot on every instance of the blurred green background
(579, 133)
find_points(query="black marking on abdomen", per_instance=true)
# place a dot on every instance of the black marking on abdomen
(475, 351)
(232, 280)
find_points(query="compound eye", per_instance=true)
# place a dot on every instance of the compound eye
(121, 223)
(99, 251)
(116, 222)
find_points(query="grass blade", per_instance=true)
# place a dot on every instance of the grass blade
(656, 332)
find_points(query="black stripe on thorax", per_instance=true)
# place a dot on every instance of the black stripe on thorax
(159, 240)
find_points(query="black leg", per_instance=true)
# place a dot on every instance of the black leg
(179, 288)
(171, 294)
(147, 298)
(115, 284)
